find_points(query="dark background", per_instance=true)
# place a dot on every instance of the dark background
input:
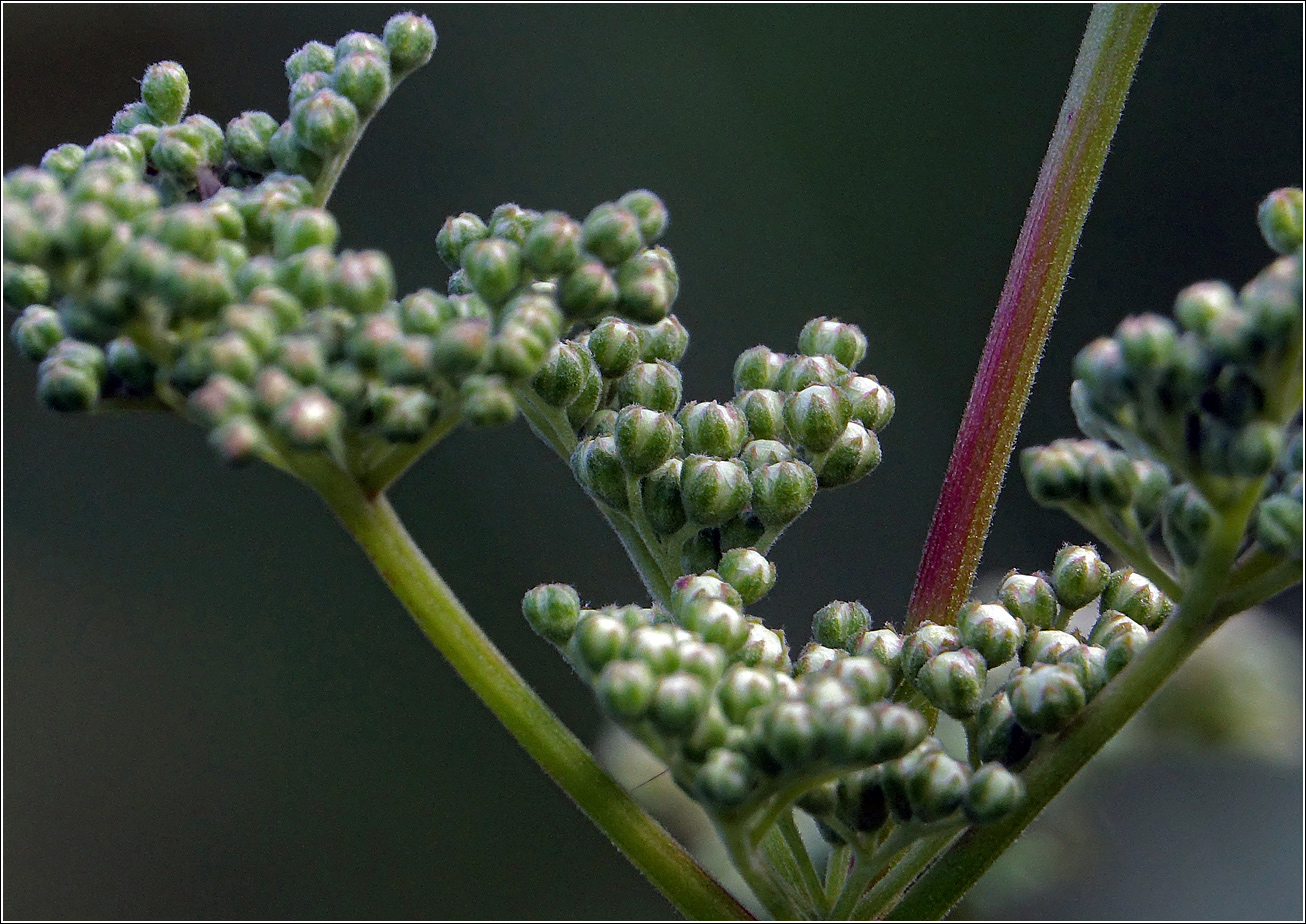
(213, 708)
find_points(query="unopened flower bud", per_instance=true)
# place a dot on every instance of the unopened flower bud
(1078, 575)
(998, 737)
(815, 658)
(36, 331)
(456, 233)
(719, 623)
(828, 337)
(1279, 525)
(792, 733)
(461, 347)
(840, 623)
(885, 646)
(928, 641)
(1109, 479)
(1122, 645)
(553, 611)
(871, 402)
(1254, 449)
(219, 399)
(764, 411)
(364, 80)
(1045, 646)
(725, 780)
(855, 454)
(765, 648)
(1089, 663)
(553, 245)
(954, 681)
(679, 701)
(411, 41)
(647, 286)
(310, 58)
(991, 630)
(655, 646)
(625, 689)
(713, 490)
(936, 787)
(611, 233)
(645, 439)
(1055, 474)
(744, 689)
(800, 372)
(1046, 699)
(487, 402)
(762, 452)
(663, 505)
(25, 285)
(165, 89)
(66, 387)
(1280, 220)
(654, 385)
(1186, 520)
(597, 467)
(588, 290)
(615, 347)
(648, 210)
(310, 421)
(562, 376)
(993, 793)
(713, 429)
(1146, 343)
(816, 416)
(1138, 598)
(692, 590)
(748, 571)
(757, 368)
(666, 340)
(325, 123)
(782, 491)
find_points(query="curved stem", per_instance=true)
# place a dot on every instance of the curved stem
(375, 526)
(1067, 180)
(887, 890)
(869, 868)
(772, 896)
(934, 894)
(793, 840)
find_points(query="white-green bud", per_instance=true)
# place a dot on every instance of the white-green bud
(871, 402)
(411, 41)
(816, 416)
(713, 490)
(991, 630)
(597, 467)
(654, 385)
(1138, 598)
(165, 89)
(936, 787)
(648, 210)
(792, 733)
(611, 233)
(625, 689)
(1078, 575)
(855, 454)
(725, 780)
(1280, 220)
(645, 439)
(1046, 699)
(840, 623)
(1045, 646)
(679, 701)
(713, 429)
(954, 681)
(815, 658)
(928, 641)
(744, 689)
(758, 368)
(993, 793)
(782, 491)
(885, 646)
(763, 409)
(829, 337)
(758, 453)
(553, 611)
(748, 571)
(765, 648)
(868, 678)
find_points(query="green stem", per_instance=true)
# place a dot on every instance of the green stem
(1067, 180)
(887, 890)
(803, 861)
(1135, 553)
(441, 617)
(934, 894)
(387, 472)
(837, 868)
(1259, 589)
(773, 897)
(868, 869)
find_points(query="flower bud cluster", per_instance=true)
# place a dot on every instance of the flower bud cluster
(1203, 405)
(709, 477)
(1056, 672)
(717, 695)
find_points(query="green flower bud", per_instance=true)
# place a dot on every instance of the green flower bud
(456, 233)
(598, 640)
(405, 360)
(562, 376)
(954, 681)
(991, 630)
(248, 137)
(1146, 343)
(713, 490)
(461, 347)
(871, 402)
(284, 306)
(1201, 303)
(1254, 449)
(815, 658)
(361, 43)
(647, 286)
(165, 89)
(1046, 646)
(615, 347)
(513, 223)
(649, 211)
(597, 467)
(210, 135)
(758, 368)
(867, 677)
(611, 233)
(349, 388)
(704, 661)
(296, 231)
(726, 780)
(302, 356)
(741, 532)
(816, 416)
(553, 245)
(1138, 598)
(840, 623)
(1030, 599)
(662, 501)
(759, 453)
(690, 591)
(126, 119)
(1089, 663)
(37, 331)
(782, 491)
(411, 41)
(861, 805)
(719, 623)
(1109, 479)
(791, 734)
(26, 238)
(197, 289)
(304, 87)
(1055, 474)
(273, 388)
(655, 385)
(190, 229)
(744, 689)
(1280, 220)
(364, 80)
(65, 386)
(998, 737)
(625, 689)
(765, 648)
(325, 123)
(231, 354)
(425, 312)
(1046, 699)
(493, 266)
(800, 372)
(828, 337)
(1187, 519)
(309, 421)
(218, 400)
(25, 285)
(645, 439)
(885, 646)
(237, 440)
(1078, 575)
(1122, 645)
(308, 276)
(713, 429)
(763, 409)
(678, 703)
(311, 58)
(936, 787)
(928, 641)
(63, 161)
(656, 647)
(588, 291)
(855, 454)
(487, 402)
(363, 282)
(993, 793)
(1279, 525)
(666, 340)
(748, 571)
(1101, 367)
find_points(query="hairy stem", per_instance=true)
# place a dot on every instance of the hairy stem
(1067, 180)
(441, 617)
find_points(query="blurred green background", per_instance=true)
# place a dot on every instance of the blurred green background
(213, 708)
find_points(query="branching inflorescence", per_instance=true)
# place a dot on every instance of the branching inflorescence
(175, 263)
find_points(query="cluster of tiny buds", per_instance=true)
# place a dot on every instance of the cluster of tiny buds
(707, 477)
(1205, 400)
(718, 696)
